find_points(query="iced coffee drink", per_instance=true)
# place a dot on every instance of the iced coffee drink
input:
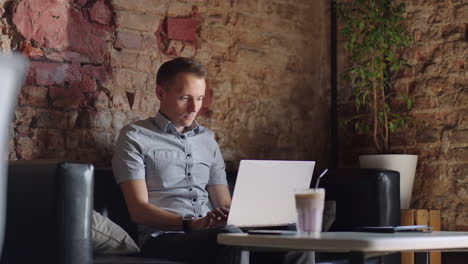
(309, 207)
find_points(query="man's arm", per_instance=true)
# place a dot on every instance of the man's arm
(219, 195)
(142, 212)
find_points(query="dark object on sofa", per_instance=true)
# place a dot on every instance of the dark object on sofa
(50, 206)
(364, 197)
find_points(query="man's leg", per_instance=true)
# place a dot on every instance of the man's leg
(196, 247)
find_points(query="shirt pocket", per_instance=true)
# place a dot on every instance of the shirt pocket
(165, 170)
(201, 165)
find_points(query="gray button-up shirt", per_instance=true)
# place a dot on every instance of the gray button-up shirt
(176, 167)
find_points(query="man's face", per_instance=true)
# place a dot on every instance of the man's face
(181, 100)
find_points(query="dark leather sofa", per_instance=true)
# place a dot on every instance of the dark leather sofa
(50, 204)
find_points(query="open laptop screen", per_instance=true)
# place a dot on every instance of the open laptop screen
(264, 192)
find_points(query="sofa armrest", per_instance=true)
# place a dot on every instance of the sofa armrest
(49, 210)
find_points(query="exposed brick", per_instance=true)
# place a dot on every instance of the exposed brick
(101, 119)
(33, 96)
(132, 60)
(150, 43)
(149, 6)
(137, 21)
(123, 59)
(444, 119)
(453, 32)
(461, 12)
(434, 179)
(102, 101)
(460, 137)
(219, 35)
(428, 135)
(64, 98)
(119, 101)
(460, 172)
(129, 40)
(33, 144)
(179, 9)
(50, 119)
(148, 102)
(119, 120)
(459, 154)
(72, 139)
(144, 64)
(130, 80)
(55, 142)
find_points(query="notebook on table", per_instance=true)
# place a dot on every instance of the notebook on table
(264, 193)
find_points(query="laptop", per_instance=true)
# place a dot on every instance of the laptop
(264, 193)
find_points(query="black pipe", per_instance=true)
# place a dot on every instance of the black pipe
(334, 93)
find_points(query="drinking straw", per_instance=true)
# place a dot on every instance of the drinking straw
(318, 180)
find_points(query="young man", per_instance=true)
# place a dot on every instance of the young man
(172, 174)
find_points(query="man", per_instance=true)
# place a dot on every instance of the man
(172, 174)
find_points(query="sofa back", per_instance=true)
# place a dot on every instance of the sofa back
(109, 201)
(364, 197)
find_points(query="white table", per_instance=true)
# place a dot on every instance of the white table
(359, 244)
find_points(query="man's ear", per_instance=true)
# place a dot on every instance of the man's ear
(160, 91)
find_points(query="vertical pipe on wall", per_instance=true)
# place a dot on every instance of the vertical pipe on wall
(333, 82)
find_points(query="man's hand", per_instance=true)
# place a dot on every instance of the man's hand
(215, 218)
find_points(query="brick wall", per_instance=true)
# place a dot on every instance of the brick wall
(439, 85)
(94, 63)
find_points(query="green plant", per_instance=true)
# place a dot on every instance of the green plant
(374, 35)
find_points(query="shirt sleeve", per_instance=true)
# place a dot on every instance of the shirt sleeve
(128, 160)
(218, 168)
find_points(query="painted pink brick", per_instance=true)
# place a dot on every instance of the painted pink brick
(82, 2)
(88, 84)
(50, 73)
(73, 73)
(182, 28)
(101, 13)
(54, 24)
(63, 92)
(86, 38)
(96, 72)
(46, 73)
(43, 21)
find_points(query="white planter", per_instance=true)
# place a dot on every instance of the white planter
(405, 164)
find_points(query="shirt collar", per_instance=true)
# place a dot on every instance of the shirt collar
(166, 125)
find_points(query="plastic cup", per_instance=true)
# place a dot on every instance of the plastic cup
(309, 207)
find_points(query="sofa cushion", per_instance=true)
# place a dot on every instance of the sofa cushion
(111, 239)
(131, 260)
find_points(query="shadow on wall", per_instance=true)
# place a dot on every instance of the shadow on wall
(63, 110)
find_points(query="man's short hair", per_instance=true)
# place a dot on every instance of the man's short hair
(170, 69)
